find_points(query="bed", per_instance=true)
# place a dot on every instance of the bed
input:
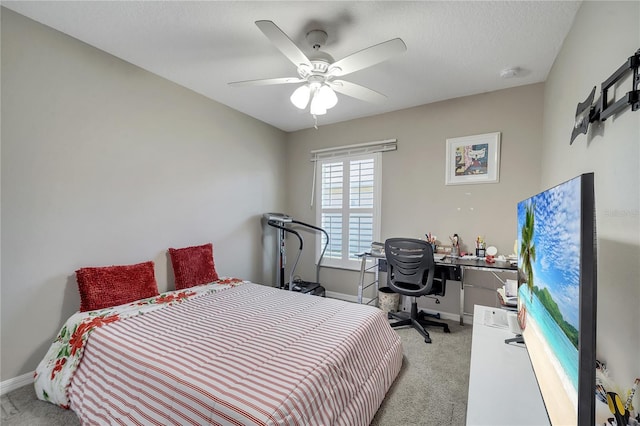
(228, 353)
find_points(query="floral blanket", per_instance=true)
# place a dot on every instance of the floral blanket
(54, 373)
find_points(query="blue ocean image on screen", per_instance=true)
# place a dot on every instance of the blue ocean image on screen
(565, 352)
(556, 267)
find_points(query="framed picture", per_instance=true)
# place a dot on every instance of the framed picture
(473, 159)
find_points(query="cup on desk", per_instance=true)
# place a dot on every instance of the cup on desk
(480, 252)
(455, 251)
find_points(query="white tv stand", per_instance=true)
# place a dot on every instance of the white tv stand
(502, 386)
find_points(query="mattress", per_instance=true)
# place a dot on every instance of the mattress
(233, 355)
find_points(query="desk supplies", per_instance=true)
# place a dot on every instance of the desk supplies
(608, 392)
(495, 318)
(620, 413)
(490, 254)
(634, 388)
(431, 239)
(377, 249)
(455, 245)
(480, 246)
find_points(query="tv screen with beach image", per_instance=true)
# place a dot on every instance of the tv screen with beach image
(549, 253)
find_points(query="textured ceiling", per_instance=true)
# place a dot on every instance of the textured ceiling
(454, 48)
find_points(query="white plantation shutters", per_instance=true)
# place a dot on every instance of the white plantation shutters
(361, 202)
(348, 206)
(331, 198)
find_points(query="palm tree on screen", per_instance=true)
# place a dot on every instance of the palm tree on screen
(527, 247)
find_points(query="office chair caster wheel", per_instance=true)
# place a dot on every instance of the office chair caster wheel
(427, 340)
(446, 329)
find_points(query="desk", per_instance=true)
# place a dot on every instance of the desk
(502, 385)
(458, 265)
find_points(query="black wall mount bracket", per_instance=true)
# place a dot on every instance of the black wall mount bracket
(587, 112)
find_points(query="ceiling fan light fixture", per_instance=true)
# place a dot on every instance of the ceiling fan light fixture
(317, 108)
(300, 96)
(327, 96)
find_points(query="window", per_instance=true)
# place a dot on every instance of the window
(348, 207)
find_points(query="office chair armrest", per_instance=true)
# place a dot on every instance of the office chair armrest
(439, 285)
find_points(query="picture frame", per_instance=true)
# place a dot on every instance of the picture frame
(473, 159)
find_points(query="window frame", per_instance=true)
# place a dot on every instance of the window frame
(346, 209)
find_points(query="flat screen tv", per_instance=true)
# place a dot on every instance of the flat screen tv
(557, 296)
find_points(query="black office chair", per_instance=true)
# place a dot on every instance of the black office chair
(410, 272)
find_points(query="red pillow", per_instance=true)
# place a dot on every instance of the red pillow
(106, 286)
(193, 266)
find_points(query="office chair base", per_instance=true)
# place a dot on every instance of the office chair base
(404, 321)
(416, 320)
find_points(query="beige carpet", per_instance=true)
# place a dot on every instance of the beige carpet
(431, 388)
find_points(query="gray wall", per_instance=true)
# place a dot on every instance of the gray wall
(415, 199)
(104, 163)
(603, 36)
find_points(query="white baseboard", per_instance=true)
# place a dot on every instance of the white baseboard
(444, 315)
(15, 383)
(346, 297)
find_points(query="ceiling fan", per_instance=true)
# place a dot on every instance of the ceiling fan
(319, 72)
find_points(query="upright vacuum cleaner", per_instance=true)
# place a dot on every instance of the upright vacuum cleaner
(285, 224)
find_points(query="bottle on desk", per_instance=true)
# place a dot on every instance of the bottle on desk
(480, 247)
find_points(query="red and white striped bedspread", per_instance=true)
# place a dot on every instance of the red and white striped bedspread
(246, 355)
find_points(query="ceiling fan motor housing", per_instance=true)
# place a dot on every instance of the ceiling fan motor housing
(319, 67)
(320, 61)
(316, 38)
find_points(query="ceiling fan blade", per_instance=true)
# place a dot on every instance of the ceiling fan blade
(266, 81)
(283, 43)
(357, 91)
(368, 57)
